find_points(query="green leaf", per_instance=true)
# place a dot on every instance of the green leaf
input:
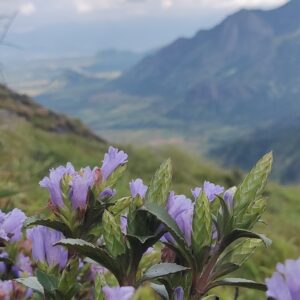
(113, 235)
(161, 270)
(120, 205)
(89, 250)
(32, 283)
(252, 186)
(240, 233)
(239, 252)
(144, 292)
(115, 176)
(160, 185)
(161, 214)
(68, 285)
(235, 256)
(161, 290)
(99, 283)
(53, 224)
(202, 225)
(48, 281)
(239, 282)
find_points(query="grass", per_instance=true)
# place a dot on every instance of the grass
(26, 154)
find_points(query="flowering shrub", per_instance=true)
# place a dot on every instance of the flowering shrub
(152, 244)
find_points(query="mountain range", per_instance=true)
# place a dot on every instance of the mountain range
(210, 91)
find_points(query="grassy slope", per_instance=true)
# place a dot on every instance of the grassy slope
(27, 152)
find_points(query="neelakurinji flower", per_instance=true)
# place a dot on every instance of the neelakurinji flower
(112, 159)
(53, 183)
(11, 225)
(22, 266)
(118, 293)
(284, 283)
(211, 190)
(107, 193)
(179, 293)
(138, 188)
(181, 209)
(81, 182)
(6, 289)
(43, 249)
(228, 197)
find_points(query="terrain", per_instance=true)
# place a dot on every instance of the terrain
(34, 139)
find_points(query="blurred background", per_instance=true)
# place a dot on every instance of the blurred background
(213, 84)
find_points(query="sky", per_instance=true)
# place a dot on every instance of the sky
(73, 27)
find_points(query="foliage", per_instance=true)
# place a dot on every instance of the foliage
(89, 234)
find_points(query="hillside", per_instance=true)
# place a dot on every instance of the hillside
(282, 137)
(29, 147)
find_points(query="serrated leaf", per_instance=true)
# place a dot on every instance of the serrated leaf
(202, 225)
(115, 176)
(161, 270)
(32, 283)
(48, 281)
(68, 285)
(160, 184)
(120, 205)
(239, 282)
(53, 224)
(235, 256)
(252, 186)
(112, 234)
(89, 250)
(240, 233)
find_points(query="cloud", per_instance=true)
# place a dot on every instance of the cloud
(27, 9)
(83, 7)
(167, 3)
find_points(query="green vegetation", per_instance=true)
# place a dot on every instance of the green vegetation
(28, 149)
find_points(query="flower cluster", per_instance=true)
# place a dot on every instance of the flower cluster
(94, 245)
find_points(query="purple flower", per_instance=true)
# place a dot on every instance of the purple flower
(212, 190)
(138, 188)
(107, 193)
(112, 160)
(284, 283)
(228, 197)
(123, 221)
(81, 183)
(179, 293)
(43, 239)
(118, 293)
(6, 289)
(181, 209)
(11, 225)
(22, 266)
(53, 183)
(196, 192)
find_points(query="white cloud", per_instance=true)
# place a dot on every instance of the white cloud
(83, 7)
(27, 9)
(167, 3)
